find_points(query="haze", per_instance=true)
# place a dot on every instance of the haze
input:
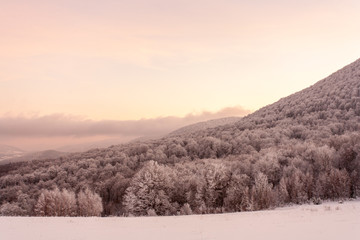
(106, 62)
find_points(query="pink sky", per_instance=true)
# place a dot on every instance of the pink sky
(128, 60)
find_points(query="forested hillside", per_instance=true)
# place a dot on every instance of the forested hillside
(305, 147)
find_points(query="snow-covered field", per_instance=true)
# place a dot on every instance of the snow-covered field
(327, 221)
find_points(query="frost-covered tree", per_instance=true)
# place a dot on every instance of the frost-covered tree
(295, 185)
(56, 203)
(89, 203)
(67, 205)
(11, 209)
(211, 189)
(149, 189)
(282, 195)
(237, 193)
(46, 204)
(216, 178)
(334, 184)
(186, 209)
(262, 195)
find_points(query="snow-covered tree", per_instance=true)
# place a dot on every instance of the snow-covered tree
(149, 189)
(46, 204)
(67, 204)
(11, 209)
(282, 195)
(237, 193)
(262, 195)
(186, 209)
(56, 203)
(89, 203)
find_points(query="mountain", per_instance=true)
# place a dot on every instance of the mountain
(7, 152)
(204, 125)
(302, 148)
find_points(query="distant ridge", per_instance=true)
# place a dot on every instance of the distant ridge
(42, 155)
(204, 125)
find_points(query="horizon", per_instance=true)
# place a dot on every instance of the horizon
(116, 70)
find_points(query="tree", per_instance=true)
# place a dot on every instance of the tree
(56, 203)
(149, 189)
(67, 203)
(89, 203)
(186, 209)
(339, 183)
(11, 209)
(45, 205)
(262, 196)
(282, 193)
(237, 193)
(295, 183)
(216, 178)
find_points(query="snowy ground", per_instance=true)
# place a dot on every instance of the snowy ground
(327, 221)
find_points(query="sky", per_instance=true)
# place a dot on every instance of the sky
(137, 60)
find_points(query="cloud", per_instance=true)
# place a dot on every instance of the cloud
(60, 125)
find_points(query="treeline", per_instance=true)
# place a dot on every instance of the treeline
(305, 147)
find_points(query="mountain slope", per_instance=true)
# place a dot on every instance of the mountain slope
(305, 147)
(327, 109)
(338, 92)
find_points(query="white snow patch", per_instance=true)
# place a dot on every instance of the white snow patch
(328, 221)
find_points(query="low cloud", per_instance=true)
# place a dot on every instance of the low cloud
(63, 126)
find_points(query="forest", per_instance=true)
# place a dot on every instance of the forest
(303, 148)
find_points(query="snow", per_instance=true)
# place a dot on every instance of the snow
(328, 221)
